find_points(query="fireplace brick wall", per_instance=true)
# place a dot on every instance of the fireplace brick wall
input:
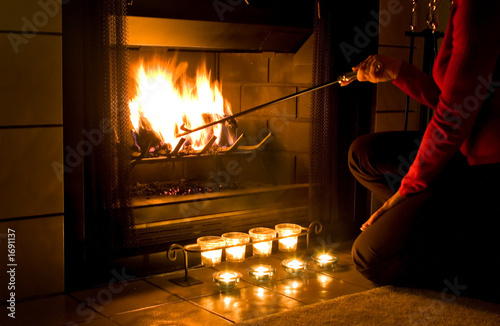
(31, 196)
(252, 79)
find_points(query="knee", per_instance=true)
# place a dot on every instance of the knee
(369, 264)
(359, 151)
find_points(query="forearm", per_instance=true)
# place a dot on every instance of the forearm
(418, 85)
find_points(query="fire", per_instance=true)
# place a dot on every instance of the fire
(166, 99)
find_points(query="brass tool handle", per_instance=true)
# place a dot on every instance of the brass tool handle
(348, 77)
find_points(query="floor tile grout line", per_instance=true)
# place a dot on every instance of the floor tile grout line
(4, 303)
(165, 290)
(86, 305)
(114, 322)
(284, 295)
(352, 283)
(210, 311)
(180, 299)
(146, 308)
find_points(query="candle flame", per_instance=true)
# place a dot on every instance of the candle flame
(263, 247)
(325, 258)
(228, 276)
(295, 264)
(261, 270)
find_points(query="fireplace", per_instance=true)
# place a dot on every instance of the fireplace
(251, 178)
(130, 200)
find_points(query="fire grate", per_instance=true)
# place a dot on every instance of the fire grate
(211, 149)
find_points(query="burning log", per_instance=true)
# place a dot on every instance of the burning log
(179, 146)
(209, 145)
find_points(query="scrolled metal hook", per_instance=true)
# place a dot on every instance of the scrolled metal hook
(318, 227)
(172, 251)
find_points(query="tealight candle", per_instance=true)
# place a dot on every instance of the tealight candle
(325, 261)
(226, 279)
(293, 266)
(236, 254)
(262, 249)
(211, 257)
(289, 231)
(261, 273)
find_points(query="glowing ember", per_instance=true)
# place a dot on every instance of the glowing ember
(166, 99)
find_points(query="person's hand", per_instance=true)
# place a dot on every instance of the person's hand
(377, 68)
(390, 203)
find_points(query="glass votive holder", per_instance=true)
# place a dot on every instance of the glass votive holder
(226, 279)
(291, 231)
(262, 249)
(294, 266)
(236, 254)
(211, 257)
(261, 273)
(325, 260)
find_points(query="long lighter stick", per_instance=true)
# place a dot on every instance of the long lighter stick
(350, 76)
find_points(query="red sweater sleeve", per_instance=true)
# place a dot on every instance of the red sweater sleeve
(469, 52)
(420, 86)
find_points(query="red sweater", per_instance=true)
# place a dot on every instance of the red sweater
(464, 91)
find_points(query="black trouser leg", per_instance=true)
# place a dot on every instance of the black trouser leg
(379, 161)
(441, 234)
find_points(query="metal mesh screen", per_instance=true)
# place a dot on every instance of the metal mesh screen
(324, 124)
(109, 216)
(339, 115)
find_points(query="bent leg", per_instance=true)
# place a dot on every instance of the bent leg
(382, 253)
(380, 160)
(446, 233)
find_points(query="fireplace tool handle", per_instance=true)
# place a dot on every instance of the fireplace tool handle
(348, 77)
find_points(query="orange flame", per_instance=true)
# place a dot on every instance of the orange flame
(166, 99)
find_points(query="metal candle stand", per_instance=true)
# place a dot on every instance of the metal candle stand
(188, 280)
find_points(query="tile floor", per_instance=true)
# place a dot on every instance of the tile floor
(158, 301)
